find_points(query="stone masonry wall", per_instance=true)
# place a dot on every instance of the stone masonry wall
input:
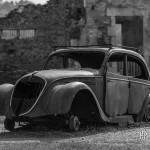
(55, 24)
(101, 26)
(19, 56)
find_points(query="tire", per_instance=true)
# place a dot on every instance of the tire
(9, 124)
(74, 123)
(147, 114)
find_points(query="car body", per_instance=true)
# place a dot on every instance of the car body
(82, 84)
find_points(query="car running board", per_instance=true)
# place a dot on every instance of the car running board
(122, 121)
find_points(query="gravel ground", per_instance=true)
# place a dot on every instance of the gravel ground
(92, 138)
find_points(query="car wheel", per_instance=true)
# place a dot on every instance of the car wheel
(74, 123)
(9, 124)
(147, 113)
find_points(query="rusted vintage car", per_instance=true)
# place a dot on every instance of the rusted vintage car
(83, 84)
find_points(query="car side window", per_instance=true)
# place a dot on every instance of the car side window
(136, 68)
(116, 64)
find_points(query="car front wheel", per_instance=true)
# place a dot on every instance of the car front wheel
(74, 123)
(9, 124)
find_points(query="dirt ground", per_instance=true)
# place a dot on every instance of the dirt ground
(135, 137)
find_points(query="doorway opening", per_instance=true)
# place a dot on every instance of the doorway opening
(132, 30)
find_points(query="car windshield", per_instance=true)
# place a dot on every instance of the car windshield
(75, 60)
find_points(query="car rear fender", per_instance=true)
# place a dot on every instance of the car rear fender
(141, 113)
(62, 97)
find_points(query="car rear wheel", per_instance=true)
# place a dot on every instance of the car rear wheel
(74, 123)
(147, 113)
(9, 124)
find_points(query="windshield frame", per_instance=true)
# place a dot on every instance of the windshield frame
(104, 51)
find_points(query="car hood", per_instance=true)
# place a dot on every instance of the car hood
(58, 74)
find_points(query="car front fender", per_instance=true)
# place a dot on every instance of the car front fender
(5, 95)
(62, 96)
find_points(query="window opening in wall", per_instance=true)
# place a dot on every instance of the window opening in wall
(24, 34)
(132, 30)
(8, 34)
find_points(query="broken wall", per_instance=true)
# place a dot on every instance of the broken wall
(103, 26)
(20, 55)
(94, 22)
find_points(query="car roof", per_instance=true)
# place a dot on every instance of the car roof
(127, 51)
(98, 49)
(108, 50)
(84, 49)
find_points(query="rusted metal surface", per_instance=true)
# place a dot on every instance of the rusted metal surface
(146, 102)
(117, 95)
(138, 92)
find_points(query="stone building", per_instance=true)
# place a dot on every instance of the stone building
(118, 22)
(29, 32)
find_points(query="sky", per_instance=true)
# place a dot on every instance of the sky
(34, 1)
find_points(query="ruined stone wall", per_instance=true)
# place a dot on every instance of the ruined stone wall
(96, 29)
(19, 56)
(93, 21)
(134, 8)
(102, 27)
(54, 23)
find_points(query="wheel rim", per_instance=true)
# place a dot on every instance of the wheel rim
(74, 123)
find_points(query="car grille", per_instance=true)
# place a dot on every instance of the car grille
(25, 94)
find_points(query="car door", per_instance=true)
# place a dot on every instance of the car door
(139, 84)
(117, 86)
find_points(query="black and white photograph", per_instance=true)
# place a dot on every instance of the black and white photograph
(74, 74)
